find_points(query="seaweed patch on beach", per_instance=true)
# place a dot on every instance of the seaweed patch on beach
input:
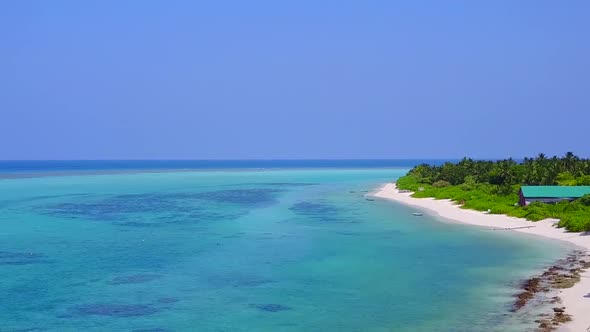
(564, 274)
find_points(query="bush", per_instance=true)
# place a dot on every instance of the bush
(441, 184)
(409, 182)
(503, 190)
(469, 183)
(575, 223)
(566, 179)
(583, 180)
(584, 200)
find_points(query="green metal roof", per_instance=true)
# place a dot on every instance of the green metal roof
(555, 191)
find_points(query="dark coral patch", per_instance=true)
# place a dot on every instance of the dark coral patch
(271, 307)
(139, 224)
(288, 184)
(167, 300)
(241, 196)
(113, 310)
(134, 279)
(317, 210)
(238, 280)
(165, 208)
(21, 258)
(108, 208)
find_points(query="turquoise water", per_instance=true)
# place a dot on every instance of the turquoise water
(283, 250)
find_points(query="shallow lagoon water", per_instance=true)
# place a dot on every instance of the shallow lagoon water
(280, 250)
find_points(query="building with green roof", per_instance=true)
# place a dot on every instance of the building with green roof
(550, 194)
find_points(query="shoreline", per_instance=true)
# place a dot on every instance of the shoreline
(576, 299)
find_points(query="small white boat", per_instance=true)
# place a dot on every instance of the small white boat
(417, 214)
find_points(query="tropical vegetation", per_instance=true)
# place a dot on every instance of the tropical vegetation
(493, 186)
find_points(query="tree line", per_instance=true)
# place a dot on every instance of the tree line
(541, 170)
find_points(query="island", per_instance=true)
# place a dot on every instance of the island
(535, 188)
(547, 197)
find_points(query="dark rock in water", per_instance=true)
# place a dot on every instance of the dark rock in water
(560, 318)
(272, 307)
(530, 287)
(114, 310)
(545, 324)
(565, 274)
(21, 258)
(134, 279)
(168, 300)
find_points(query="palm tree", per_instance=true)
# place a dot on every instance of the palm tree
(570, 162)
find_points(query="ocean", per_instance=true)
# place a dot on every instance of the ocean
(245, 246)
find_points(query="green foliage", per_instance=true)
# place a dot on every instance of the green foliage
(583, 180)
(469, 183)
(566, 179)
(575, 222)
(532, 171)
(584, 200)
(423, 173)
(535, 211)
(504, 190)
(487, 185)
(409, 182)
(441, 184)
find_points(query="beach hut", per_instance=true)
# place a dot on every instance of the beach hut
(550, 194)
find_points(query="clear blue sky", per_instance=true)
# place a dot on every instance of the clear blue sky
(293, 79)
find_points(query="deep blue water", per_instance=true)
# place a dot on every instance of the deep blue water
(247, 250)
(53, 166)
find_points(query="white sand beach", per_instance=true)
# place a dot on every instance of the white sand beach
(575, 299)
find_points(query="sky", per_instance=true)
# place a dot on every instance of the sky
(298, 79)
